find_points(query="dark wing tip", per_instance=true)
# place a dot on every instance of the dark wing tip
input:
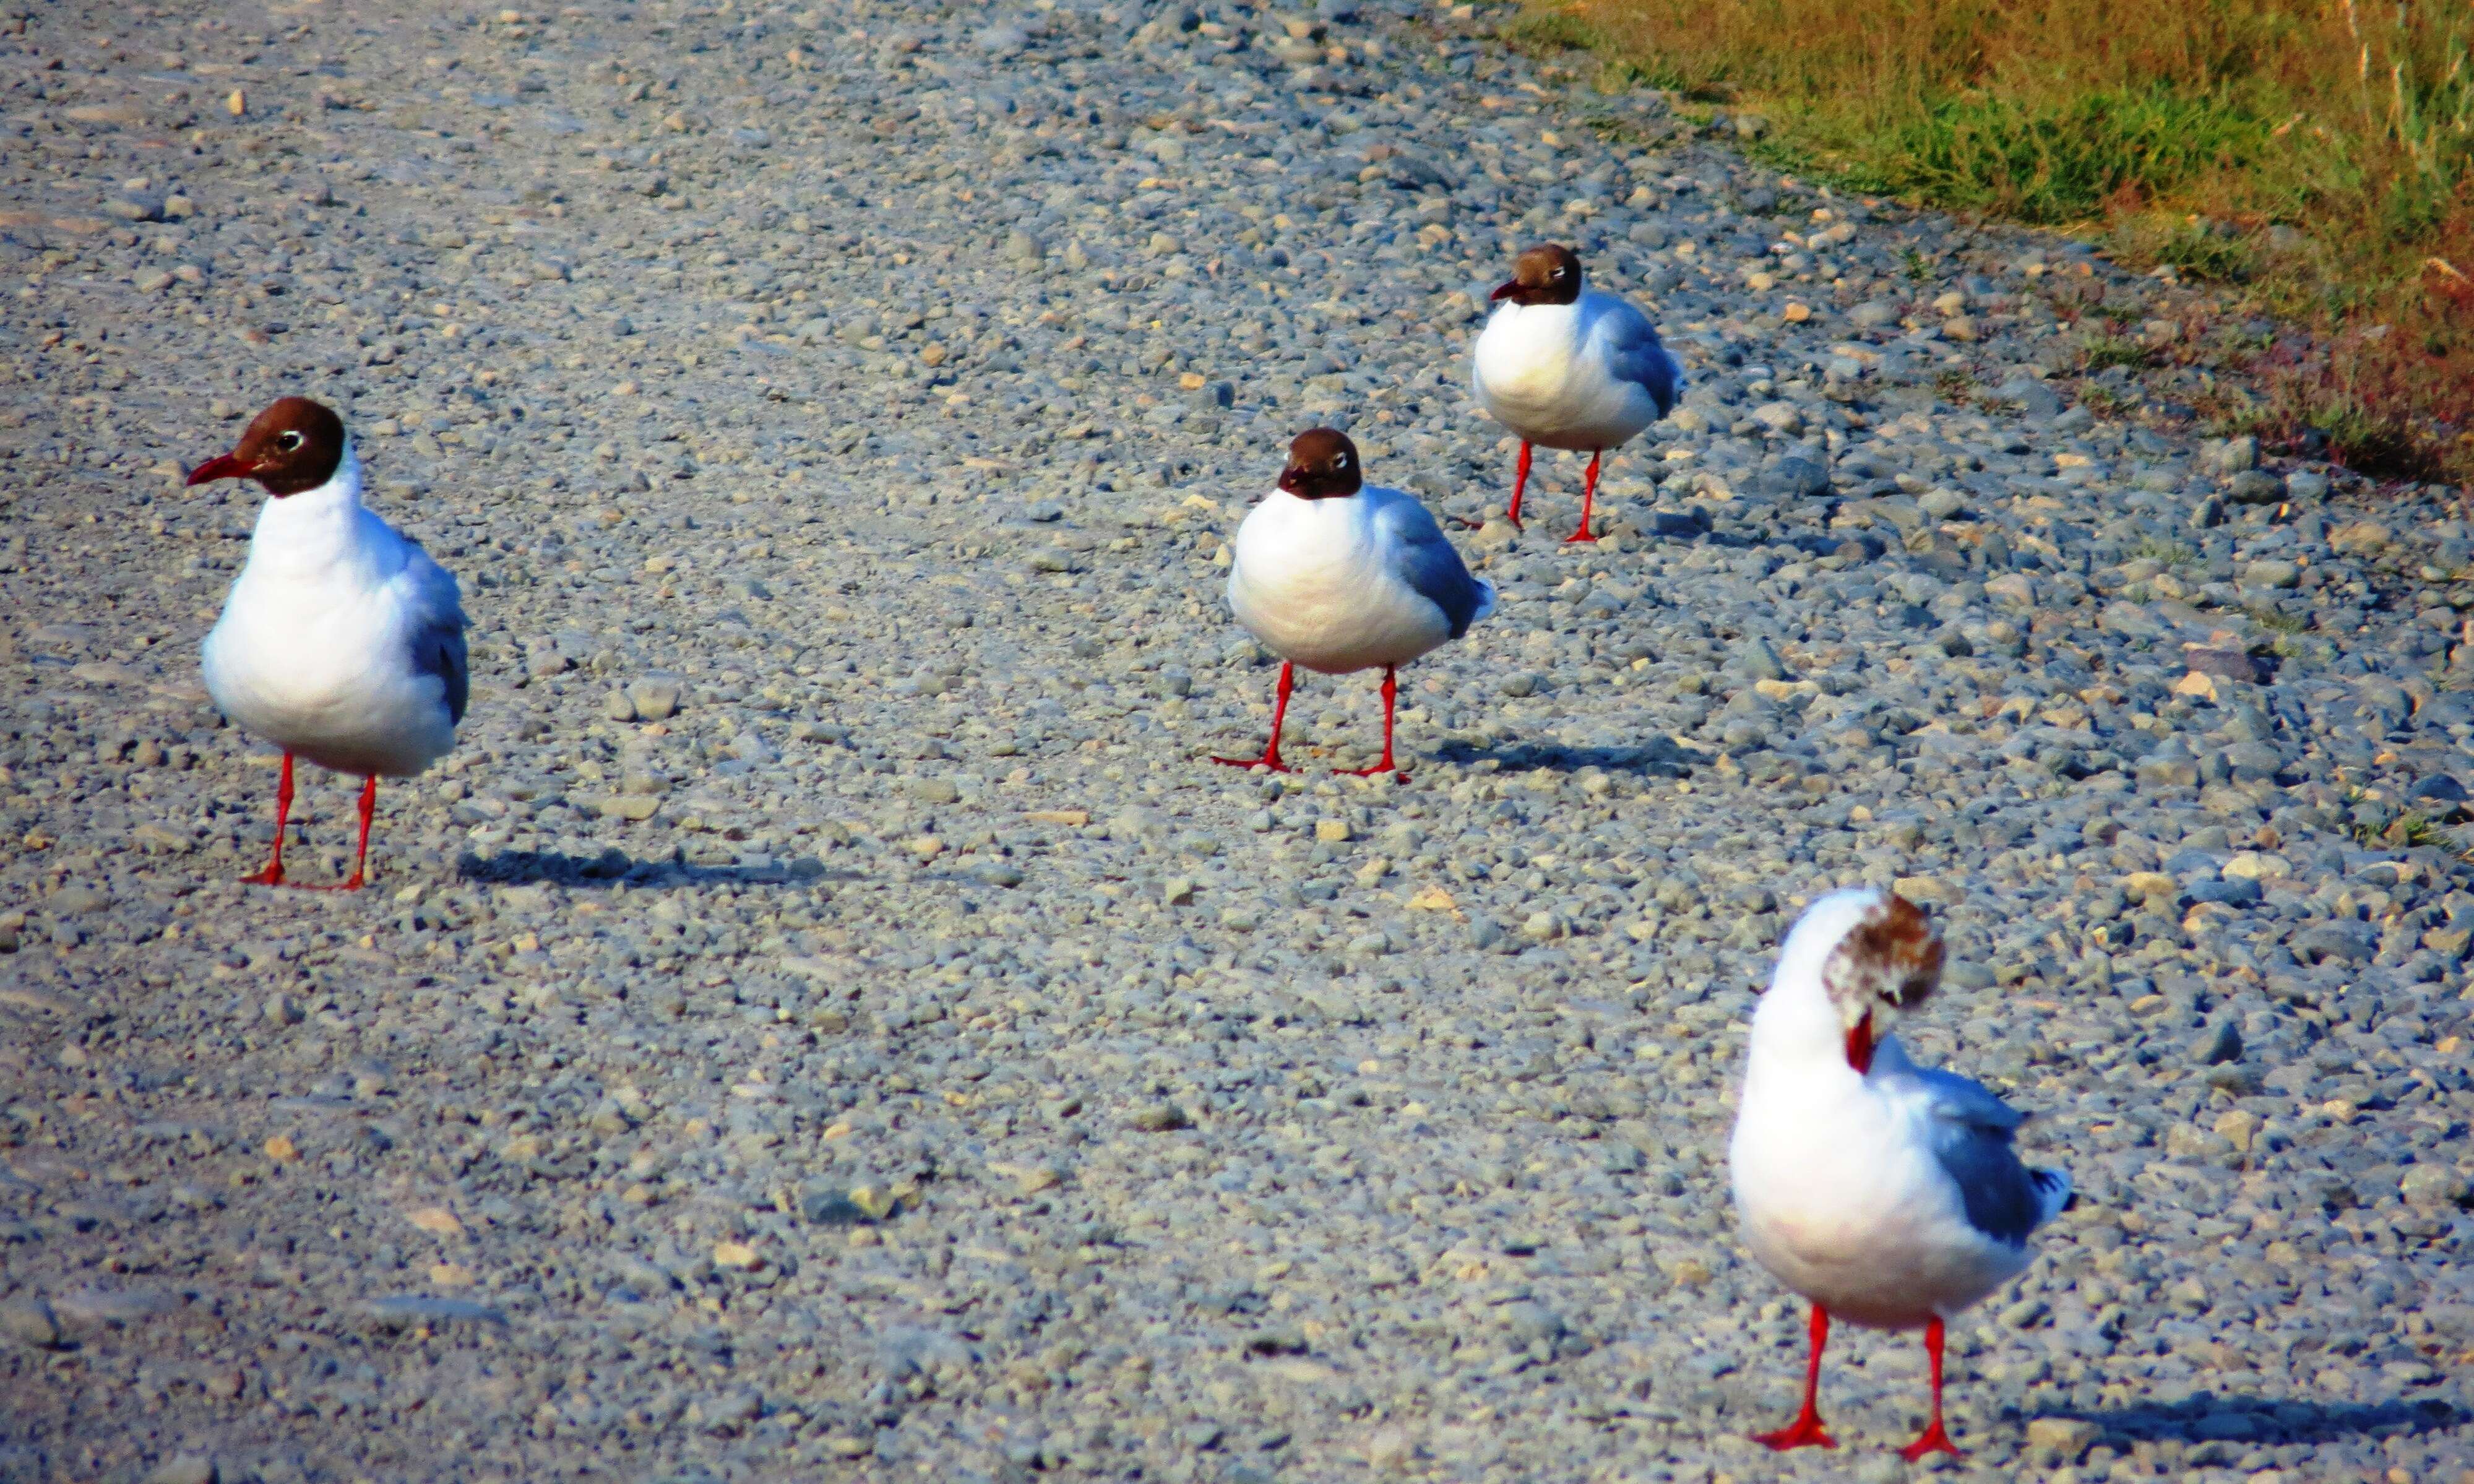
(440, 651)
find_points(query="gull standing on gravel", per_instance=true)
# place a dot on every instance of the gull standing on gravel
(1568, 367)
(1337, 575)
(341, 641)
(1884, 1192)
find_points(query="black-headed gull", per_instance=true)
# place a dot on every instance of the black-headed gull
(1568, 367)
(341, 640)
(1337, 575)
(1884, 1192)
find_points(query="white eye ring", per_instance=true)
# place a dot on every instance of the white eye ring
(289, 440)
(1339, 461)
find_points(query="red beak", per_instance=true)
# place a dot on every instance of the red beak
(223, 466)
(1291, 478)
(1503, 291)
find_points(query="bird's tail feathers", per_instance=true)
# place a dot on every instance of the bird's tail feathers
(2053, 1193)
(1484, 598)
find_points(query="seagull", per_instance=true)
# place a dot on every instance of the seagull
(1337, 575)
(1884, 1192)
(341, 641)
(1569, 367)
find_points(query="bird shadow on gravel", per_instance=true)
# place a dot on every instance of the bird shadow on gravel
(608, 867)
(1661, 758)
(2206, 1418)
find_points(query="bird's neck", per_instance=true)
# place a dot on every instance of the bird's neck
(316, 526)
(1283, 508)
(1799, 1030)
(1542, 313)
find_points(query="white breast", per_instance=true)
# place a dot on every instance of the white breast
(1540, 373)
(1840, 1196)
(1311, 582)
(313, 651)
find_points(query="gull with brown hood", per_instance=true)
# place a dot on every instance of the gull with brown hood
(1337, 575)
(1564, 366)
(341, 640)
(1886, 1193)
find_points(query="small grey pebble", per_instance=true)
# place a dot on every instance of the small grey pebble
(657, 698)
(29, 1318)
(1162, 1118)
(2223, 1046)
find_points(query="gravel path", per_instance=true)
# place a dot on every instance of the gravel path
(828, 1020)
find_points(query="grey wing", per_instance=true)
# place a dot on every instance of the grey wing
(1972, 1130)
(1427, 562)
(438, 637)
(439, 650)
(1636, 355)
(1964, 1100)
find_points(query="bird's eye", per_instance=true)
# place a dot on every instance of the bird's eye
(1339, 461)
(1559, 271)
(289, 441)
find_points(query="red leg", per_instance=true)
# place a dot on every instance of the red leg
(1806, 1430)
(273, 875)
(1936, 1438)
(1270, 757)
(1519, 486)
(1390, 694)
(1588, 499)
(361, 861)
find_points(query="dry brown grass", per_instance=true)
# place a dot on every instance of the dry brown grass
(2320, 151)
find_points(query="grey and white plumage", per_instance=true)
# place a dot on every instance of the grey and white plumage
(1427, 562)
(1351, 583)
(1336, 574)
(1973, 1135)
(1584, 376)
(1888, 1193)
(1636, 355)
(341, 640)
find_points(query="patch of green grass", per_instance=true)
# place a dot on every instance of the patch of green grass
(1541, 29)
(1957, 388)
(2104, 350)
(2373, 440)
(2277, 622)
(2394, 829)
(2203, 255)
(2056, 164)
(1628, 132)
(2173, 553)
(2104, 401)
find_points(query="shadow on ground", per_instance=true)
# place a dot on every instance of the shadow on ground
(586, 872)
(599, 872)
(1655, 759)
(2207, 1418)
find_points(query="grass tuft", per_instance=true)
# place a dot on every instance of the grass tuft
(2196, 251)
(2101, 352)
(2321, 155)
(2061, 162)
